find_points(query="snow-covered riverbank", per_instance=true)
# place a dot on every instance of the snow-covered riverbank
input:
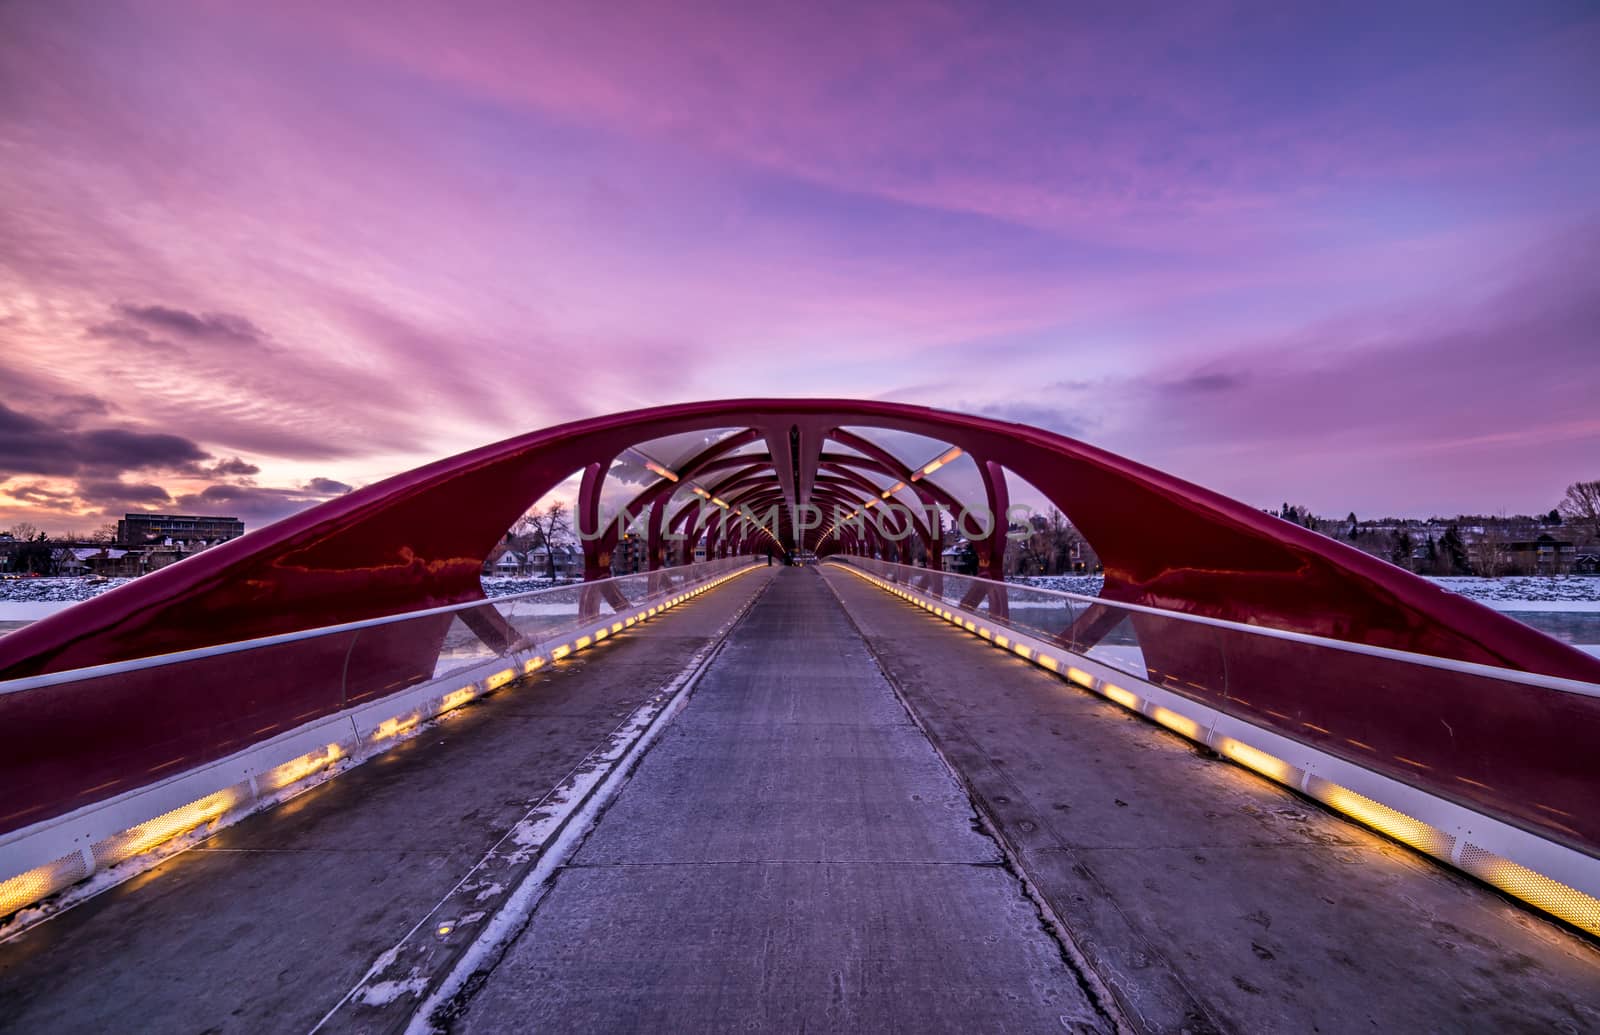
(1547, 593)
(28, 600)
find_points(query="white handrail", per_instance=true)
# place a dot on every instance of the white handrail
(13, 686)
(1559, 683)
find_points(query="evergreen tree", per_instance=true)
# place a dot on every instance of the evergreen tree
(1455, 551)
(1400, 548)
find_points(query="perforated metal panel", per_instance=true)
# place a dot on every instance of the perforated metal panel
(147, 835)
(27, 888)
(1552, 896)
(1380, 817)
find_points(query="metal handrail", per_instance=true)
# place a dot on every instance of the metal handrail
(12, 686)
(1472, 668)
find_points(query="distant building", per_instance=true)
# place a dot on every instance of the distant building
(1545, 555)
(629, 556)
(139, 529)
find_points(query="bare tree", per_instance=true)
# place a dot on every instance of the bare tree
(1063, 540)
(550, 528)
(24, 531)
(1581, 507)
(104, 534)
(1491, 554)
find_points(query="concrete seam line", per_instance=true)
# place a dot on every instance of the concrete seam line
(486, 952)
(1100, 994)
(387, 958)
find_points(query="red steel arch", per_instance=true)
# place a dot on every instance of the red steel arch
(418, 539)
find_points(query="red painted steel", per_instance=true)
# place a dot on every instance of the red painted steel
(418, 539)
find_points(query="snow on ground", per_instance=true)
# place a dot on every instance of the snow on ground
(15, 591)
(1572, 593)
(508, 585)
(28, 600)
(1084, 585)
(1529, 592)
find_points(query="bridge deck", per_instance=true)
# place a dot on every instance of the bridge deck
(792, 855)
(793, 852)
(265, 927)
(1205, 896)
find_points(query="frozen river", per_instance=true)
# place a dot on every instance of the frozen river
(1565, 607)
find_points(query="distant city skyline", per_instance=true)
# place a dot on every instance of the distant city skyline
(1342, 258)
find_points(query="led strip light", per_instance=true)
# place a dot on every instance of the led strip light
(1556, 880)
(196, 804)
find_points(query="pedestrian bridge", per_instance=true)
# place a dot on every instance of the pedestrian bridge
(314, 780)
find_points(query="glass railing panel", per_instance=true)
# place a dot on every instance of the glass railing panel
(1116, 642)
(1044, 615)
(67, 744)
(1524, 753)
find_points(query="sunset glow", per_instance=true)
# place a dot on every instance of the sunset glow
(254, 255)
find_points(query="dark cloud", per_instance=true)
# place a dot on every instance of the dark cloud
(37, 494)
(258, 505)
(29, 445)
(232, 467)
(134, 450)
(244, 390)
(208, 326)
(113, 494)
(1206, 383)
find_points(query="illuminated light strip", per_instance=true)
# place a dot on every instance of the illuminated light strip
(934, 465)
(1552, 896)
(32, 885)
(1177, 723)
(1560, 900)
(1403, 828)
(1270, 766)
(396, 726)
(297, 769)
(662, 471)
(41, 881)
(147, 835)
(456, 698)
(1127, 698)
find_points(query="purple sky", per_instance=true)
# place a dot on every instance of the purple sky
(251, 254)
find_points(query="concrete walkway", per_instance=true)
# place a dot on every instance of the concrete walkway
(268, 925)
(796, 851)
(792, 855)
(1205, 897)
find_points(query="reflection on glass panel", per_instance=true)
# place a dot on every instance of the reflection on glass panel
(1043, 614)
(467, 641)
